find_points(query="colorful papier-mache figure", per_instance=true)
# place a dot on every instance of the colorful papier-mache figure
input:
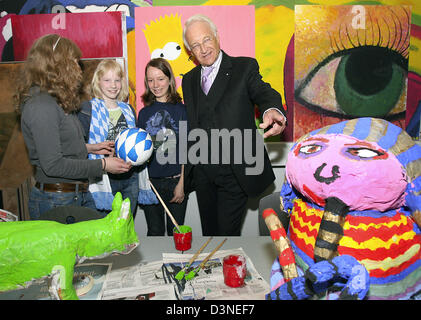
(352, 196)
(31, 250)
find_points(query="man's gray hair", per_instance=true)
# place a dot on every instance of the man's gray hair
(195, 18)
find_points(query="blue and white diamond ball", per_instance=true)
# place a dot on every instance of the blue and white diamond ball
(134, 145)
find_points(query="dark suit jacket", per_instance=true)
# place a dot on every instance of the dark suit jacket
(237, 87)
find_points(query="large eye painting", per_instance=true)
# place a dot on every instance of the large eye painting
(362, 71)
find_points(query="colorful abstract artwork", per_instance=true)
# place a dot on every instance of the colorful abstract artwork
(274, 39)
(159, 34)
(358, 68)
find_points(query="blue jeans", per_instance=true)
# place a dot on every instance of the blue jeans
(128, 185)
(43, 201)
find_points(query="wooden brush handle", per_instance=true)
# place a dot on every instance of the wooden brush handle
(199, 251)
(211, 254)
(165, 207)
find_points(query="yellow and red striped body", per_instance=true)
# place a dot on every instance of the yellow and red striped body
(388, 244)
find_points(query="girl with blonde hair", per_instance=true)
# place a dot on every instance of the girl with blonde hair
(103, 118)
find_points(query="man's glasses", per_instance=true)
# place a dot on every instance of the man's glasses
(195, 47)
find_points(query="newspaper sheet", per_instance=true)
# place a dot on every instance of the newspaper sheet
(156, 280)
(209, 281)
(6, 216)
(144, 281)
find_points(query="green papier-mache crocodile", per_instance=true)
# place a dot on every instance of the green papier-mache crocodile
(31, 250)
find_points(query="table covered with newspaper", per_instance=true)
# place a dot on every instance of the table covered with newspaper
(156, 280)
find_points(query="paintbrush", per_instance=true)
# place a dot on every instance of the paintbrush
(180, 274)
(193, 273)
(166, 208)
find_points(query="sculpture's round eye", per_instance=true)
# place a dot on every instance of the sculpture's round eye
(310, 149)
(364, 153)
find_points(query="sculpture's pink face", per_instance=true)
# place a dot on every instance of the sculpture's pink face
(360, 173)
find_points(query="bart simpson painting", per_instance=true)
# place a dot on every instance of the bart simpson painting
(159, 33)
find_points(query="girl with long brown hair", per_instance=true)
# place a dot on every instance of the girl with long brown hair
(162, 117)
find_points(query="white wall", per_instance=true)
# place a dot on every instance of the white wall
(277, 153)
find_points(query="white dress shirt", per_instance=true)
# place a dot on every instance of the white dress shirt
(211, 77)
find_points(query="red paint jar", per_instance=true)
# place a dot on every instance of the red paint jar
(183, 239)
(234, 269)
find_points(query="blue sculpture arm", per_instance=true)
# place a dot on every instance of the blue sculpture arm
(342, 272)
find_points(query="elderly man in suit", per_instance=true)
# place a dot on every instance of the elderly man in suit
(234, 87)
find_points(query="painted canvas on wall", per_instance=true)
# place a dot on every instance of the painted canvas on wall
(99, 35)
(359, 67)
(159, 34)
(10, 8)
(14, 161)
(274, 39)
